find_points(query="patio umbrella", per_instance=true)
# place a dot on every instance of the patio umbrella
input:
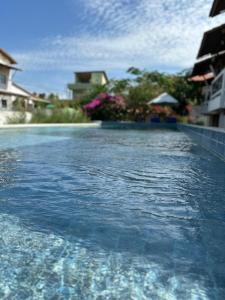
(164, 99)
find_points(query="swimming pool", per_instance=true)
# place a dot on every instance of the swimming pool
(110, 214)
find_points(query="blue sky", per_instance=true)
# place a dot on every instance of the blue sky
(53, 38)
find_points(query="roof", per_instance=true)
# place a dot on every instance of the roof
(201, 78)
(16, 90)
(217, 8)
(203, 67)
(10, 67)
(8, 56)
(163, 99)
(84, 72)
(41, 100)
(213, 41)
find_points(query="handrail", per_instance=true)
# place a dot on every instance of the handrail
(218, 93)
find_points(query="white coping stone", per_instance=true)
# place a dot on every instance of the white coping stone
(217, 129)
(81, 125)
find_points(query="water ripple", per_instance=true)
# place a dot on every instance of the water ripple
(101, 214)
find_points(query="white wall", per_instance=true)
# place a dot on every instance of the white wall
(9, 99)
(4, 59)
(5, 115)
(98, 78)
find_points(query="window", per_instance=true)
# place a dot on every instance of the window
(4, 103)
(3, 81)
(83, 78)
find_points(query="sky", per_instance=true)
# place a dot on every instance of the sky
(51, 39)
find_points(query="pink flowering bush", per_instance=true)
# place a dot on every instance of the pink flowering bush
(106, 108)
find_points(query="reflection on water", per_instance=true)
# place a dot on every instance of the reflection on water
(8, 163)
(39, 266)
(100, 214)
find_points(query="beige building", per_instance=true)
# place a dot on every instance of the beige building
(13, 96)
(84, 82)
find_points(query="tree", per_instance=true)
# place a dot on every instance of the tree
(92, 94)
(143, 87)
(151, 84)
(120, 86)
(106, 107)
(53, 97)
(42, 96)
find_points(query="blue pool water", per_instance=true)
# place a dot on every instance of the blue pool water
(107, 214)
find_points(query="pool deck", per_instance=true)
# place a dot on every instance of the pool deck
(74, 125)
(97, 124)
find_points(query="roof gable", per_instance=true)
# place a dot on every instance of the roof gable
(6, 58)
(164, 99)
(213, 41)
(204, 67)
(217, 8)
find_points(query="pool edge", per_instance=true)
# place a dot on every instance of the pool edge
(210, 138)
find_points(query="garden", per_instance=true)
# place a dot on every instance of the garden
(124, 100)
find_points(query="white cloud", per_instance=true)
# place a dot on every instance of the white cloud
(156, 34)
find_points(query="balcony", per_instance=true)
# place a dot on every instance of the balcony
(215, 95)
(79, 86)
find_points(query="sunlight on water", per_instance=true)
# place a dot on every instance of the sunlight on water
(18, 139)
(54, 267)
(104, 214)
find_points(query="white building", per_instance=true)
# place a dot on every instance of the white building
(85, 81)
(12, 96)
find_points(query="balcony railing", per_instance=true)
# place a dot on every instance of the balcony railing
(79, 86)
(217, 86)
(215, 95)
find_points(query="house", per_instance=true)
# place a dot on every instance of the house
(211, 69)
(217, 8)
(13, 96)
(84, 82)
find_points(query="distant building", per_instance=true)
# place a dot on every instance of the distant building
(11, 94)
(84, 82)
(211, 70)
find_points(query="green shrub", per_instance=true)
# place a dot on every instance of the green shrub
(17, 118)
(67, 115)
(106, 107)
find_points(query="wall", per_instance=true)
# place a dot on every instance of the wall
(4, 59)
(222, 120)
(212, 139)
(98, 78)
(197, 117)
(137, 125)
(5, 115)
(5, 71)
(9, 100)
